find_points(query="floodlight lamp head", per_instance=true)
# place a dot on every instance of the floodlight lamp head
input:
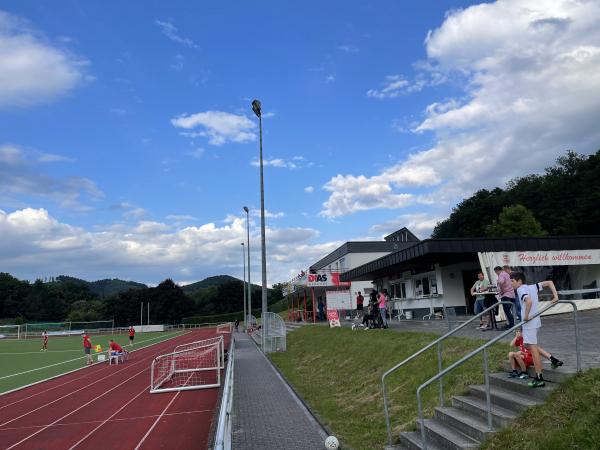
(256, 107)
(246, 209)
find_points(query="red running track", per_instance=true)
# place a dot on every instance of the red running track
(110, 407)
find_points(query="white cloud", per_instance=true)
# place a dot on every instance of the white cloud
(268, 214)
(172, 33)
(34, 243)
(309, 189)
(50, 157)
(297, 162)
(531, 90)
(181, 217)
(393, 86)
(22, 178)
(24, 55)
(197, 153)
(219, 126)
(348, 48)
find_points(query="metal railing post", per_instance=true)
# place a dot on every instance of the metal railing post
(577, 338)
(488, 400)
(386, 412)
(439, 370)
(421, 420)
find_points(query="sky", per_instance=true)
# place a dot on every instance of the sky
(128, 146)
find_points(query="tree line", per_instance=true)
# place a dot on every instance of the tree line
(561, 201)
(70, 299)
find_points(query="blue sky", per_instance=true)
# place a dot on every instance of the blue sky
(128, 146)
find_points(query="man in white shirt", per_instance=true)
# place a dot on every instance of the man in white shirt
(528, 296)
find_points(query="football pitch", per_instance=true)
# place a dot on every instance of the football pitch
(22, 362)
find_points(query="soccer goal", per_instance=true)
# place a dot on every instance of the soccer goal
(10, 331)
(198, 367)
(225, 328)
(202, 343)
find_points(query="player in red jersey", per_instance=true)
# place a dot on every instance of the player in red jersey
(131, 334)
(87, 348)
(44, 341)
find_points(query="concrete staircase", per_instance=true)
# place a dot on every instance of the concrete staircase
(464, 424)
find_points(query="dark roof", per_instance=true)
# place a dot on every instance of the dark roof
(360, 247)
(447, 251)
(402, 235)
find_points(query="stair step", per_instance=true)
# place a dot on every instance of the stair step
(553, 375)
(505, 399)
(502, 380)
(470, 425)
(501, 417)
(447, 437)
(412, 441)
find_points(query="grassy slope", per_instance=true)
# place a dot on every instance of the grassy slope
(338, 373)
(569, 419)
(22, 355)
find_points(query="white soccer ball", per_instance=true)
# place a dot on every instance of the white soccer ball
(331, 442)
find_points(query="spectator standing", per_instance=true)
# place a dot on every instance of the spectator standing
(87, 348)
(383, 307)
(44, 342)
(509, 270)
(359, 305)
(321, 307)
(131, 334)
(481, 285)
(506, 294)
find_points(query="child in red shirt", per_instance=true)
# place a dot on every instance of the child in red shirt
(87, 348)
(521, 359)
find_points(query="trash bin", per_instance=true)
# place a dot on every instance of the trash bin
(408, 315)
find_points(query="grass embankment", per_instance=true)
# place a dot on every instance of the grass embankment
(570, 418)
(64, 353)
(338, 373)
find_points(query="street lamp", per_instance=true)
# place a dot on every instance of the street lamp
(244, 285)
(248, 249)
(256, 107)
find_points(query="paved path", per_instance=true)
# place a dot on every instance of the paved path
(267, 414)
(557, 334)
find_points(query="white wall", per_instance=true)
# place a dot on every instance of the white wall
(353, 260)
(454, 294)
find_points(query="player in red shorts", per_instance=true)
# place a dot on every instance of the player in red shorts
(87, 348)
(521, 360)
(131, 335)
(44, 341)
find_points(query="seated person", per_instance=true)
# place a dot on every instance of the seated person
(519, 361)
(115, 349)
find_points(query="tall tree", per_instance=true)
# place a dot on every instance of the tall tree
(515, 221)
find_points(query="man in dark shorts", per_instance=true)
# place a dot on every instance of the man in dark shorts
(87, 348)
(359, 305)
(131, 334)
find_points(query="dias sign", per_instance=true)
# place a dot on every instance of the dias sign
(325, 279)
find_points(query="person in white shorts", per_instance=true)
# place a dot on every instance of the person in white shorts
(528, 297)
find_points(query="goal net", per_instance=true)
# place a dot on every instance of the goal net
(198, 367)
(224, 328)
(216, 340)
(10, 331)
(68, 328)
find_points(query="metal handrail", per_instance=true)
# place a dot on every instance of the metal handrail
(423, 350)
(223, 440)
(483, 349)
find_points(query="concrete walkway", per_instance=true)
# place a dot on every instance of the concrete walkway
(267, 414)
(557, 335)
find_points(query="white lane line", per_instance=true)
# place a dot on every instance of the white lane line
(75, 410)
(155, 422)
(81, 388)
(78, 369)
(106, 420)
(94, 422)
(161, 415)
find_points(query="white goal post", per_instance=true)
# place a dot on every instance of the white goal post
(202, 343)
(10, 331)
(197, 367)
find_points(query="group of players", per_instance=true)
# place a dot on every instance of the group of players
(113, 347)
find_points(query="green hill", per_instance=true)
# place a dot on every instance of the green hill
(103, 288)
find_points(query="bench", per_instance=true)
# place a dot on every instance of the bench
(117, 357)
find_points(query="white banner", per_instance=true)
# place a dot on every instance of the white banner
(542, 258)
(339, 300)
